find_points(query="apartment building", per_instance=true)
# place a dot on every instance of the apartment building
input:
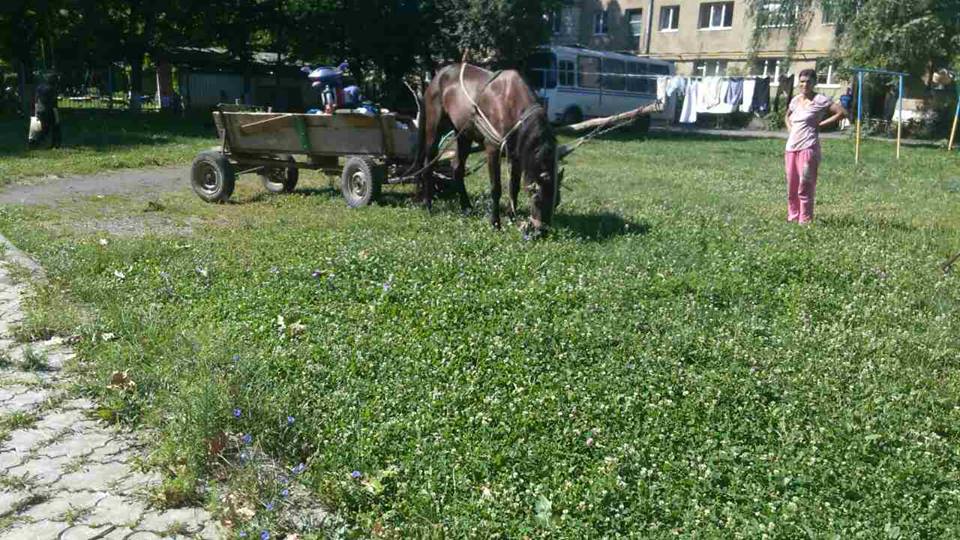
(702, 37)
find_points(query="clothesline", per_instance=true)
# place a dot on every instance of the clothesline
(662, 75)
(716, 95)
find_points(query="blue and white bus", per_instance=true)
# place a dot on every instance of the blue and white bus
(576, 83)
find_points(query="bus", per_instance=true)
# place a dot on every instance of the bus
(574, 83)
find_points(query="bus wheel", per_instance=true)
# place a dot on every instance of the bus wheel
(573, 115)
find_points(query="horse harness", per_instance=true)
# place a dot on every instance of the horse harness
(483, 124)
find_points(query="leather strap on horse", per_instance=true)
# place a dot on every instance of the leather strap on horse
(480, 120)
(483, 125)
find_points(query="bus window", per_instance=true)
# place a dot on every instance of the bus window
(567, 73)
(640, 83)
(613, 74)
(588, 72)
(542, 70)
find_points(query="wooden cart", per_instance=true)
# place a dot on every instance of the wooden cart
(365, 150)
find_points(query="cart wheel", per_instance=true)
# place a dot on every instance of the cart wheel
(360, 181)
(212, 177)
(280, 180)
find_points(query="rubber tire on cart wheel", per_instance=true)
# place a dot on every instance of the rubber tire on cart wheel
(279, 179)
(212, 177)
(360, 181)
(573, 115)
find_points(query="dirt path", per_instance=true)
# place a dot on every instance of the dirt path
(129, 181)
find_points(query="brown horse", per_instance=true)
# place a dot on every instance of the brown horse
(499, 111)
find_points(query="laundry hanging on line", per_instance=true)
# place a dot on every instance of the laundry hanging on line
(716, 95)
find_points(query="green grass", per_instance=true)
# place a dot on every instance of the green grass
(676, 359)
(94, 141)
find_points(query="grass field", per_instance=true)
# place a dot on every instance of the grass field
(94, 141)
(674, 360)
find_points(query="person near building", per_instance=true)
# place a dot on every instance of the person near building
(846, 101)
(807, 114)
(47, 112)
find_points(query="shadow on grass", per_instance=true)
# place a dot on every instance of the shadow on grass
(263, 196)
(599, 227)
(865, 222)
(596, 227)
(622, 135)
(105, 129)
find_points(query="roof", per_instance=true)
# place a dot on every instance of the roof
(218, 59)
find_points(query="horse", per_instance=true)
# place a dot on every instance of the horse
(499, 111)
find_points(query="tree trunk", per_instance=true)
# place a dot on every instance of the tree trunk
(136, 81)
(25, 105)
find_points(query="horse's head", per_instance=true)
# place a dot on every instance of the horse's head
(538, 148)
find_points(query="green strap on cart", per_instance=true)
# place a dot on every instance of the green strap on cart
(301, 128)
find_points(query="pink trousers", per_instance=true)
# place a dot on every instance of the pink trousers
(801, 168)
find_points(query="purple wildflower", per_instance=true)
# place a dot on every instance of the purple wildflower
(243, 534)
(316, 273)
(247, 439)
(298, 469)
(283, 479)
(356, 475)
(237, 413)
(290, 420)
(285, 493)
(269, 506)
(265, 535)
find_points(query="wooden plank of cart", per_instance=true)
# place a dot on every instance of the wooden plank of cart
(366, 150)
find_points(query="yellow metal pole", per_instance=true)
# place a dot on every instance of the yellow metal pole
(857, 154)
(900, 122)
(956, 116)
(953, 132)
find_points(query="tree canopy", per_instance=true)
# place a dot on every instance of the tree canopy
(391, 37)
(915, 36)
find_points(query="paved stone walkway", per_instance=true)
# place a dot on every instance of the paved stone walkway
(63, 474)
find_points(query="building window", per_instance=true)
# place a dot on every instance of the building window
(600, 23)
(829, 13)
(716, 15)
(567, 73)
(669, 18)
(768, 67)
(588, 72)
(825, 74)
(708, 68)
(773, 15)
(556, 23)
(635, 19)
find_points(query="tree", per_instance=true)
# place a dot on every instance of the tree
(497, 32)
(914, 37)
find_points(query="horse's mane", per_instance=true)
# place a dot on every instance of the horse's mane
(537, 144)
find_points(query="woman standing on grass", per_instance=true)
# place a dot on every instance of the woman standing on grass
(804, 121)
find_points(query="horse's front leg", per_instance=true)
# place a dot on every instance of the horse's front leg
(459, 171)
(493, 168)
(515, 173)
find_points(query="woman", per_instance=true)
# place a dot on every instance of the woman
(805, 118)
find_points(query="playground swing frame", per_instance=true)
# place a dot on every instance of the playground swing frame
(860, 71)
